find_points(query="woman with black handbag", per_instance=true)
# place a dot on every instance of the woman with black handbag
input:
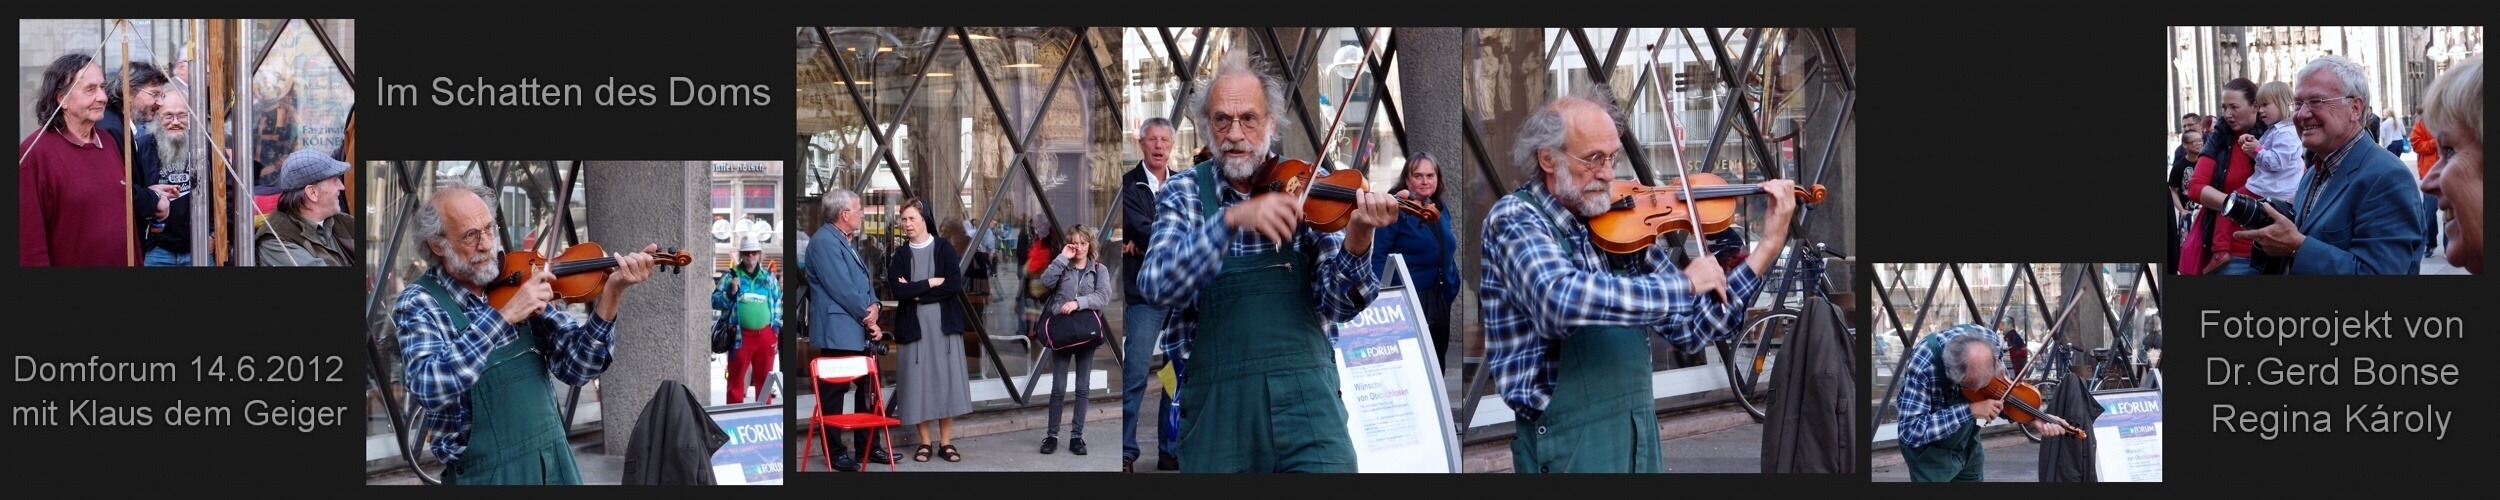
(930, 383)
(1080, 287)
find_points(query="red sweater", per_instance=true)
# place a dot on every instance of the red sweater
(2241, 166)
(72, 202)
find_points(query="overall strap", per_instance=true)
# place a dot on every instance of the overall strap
(442, 296)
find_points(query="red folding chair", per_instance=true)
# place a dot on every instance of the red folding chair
(844, 370)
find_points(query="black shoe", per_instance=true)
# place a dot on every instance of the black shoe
(1167, 462)
(1050, 445)
(842, 461)
(1076, 445)
(881, 457)
(1128, 465)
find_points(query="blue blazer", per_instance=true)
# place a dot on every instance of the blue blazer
(2367, 219)
(838, 286)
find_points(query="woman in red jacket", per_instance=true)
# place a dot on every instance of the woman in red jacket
(2216, 251)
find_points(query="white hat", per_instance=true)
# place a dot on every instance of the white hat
(748, 244)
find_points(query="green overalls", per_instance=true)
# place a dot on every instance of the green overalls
(1956, 458)
(1600, 417)
(1261, 391)
(515, 433)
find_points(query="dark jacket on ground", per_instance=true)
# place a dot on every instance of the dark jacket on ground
(674, 440)
(1812, 422)
(909, 296)
(2065, 458)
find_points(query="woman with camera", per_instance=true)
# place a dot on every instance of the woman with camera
(1080, 287)
(2225, 169)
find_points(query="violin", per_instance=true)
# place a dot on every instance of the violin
(2023, 398)
(580, 271)
(1328, 200)
(1640, 213)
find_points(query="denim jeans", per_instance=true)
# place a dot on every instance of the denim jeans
(158, 257)
(1144, 324)
(2430, 225)
(2239, 266)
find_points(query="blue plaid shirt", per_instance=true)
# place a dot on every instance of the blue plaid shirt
(1930, 406)
(1567, 285)
(442, 359)
(1183, 257)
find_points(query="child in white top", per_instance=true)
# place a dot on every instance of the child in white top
(2277, 151)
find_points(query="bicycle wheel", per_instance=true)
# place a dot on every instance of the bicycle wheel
(1748, 357)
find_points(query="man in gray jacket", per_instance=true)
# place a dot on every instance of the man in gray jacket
(844, 306)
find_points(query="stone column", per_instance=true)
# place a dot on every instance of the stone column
(661, 327)
(1429, 62)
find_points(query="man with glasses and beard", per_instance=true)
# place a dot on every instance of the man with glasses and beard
(164, 166)
(1261, 289)
(481, 370)
(1564, 322)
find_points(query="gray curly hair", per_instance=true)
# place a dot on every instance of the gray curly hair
(1238, 63)
(430, 214)
(1546, 130)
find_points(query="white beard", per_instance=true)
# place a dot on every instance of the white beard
(476, 272)
(172, 154)
(1244, 167)
(1588, 201)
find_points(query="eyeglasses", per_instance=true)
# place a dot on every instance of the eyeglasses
(2302, 105)
(475, 237)
(154, 93)
(1593, 161)
(1224, 123)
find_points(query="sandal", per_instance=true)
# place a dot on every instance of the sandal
(949, 452)
(922, 455)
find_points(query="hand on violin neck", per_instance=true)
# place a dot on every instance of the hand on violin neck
(631, 268)
(2047, 429)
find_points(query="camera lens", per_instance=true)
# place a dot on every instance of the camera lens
(2244, 210)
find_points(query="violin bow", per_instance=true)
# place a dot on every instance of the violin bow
(564, 202)
(1329, 139)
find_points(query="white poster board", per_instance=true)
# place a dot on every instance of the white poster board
(2129, 436)
(1389, 376)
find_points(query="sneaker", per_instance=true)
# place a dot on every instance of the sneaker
(1076, 445)
(1050, 445)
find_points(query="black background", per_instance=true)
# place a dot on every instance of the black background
(1990, 133)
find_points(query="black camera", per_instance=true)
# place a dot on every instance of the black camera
(2243, 209)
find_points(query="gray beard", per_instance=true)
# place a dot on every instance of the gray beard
(476, 273)
(172, 154)
(1241, 168)
(1589, 201)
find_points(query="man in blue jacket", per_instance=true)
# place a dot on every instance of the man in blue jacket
(2358, 211)
(844, 321)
